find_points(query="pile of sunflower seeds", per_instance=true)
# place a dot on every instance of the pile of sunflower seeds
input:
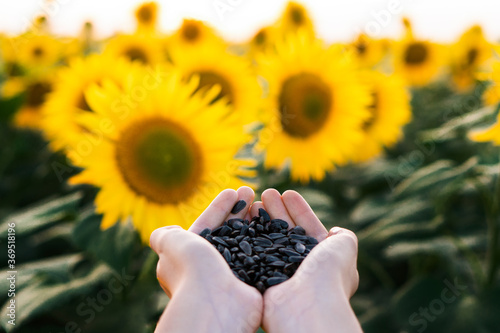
(261, 252)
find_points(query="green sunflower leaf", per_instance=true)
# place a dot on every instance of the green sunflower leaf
(113, 245)
(39, 298)
(41, 215)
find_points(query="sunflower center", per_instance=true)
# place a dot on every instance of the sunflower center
(208, 79)
(297, 16)
(145, 15)
(37, 52)
(416, 53)
(472, 55)
(159, 160)
(36, 93)
(305, 102)
(373, 108)
(135, 53)
(260, 38)
(361, 48)
(191, 32)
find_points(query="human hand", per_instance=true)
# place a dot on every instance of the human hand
(205, 294)
(316, 297)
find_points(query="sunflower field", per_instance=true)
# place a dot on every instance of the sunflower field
(104, 141)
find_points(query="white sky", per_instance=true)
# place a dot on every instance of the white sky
(336, 20)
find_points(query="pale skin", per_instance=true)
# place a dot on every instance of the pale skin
(207, 297)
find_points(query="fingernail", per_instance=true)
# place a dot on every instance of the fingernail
(335, 230)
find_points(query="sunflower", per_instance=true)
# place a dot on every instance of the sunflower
(390, 111)
(417, 60)
(295, 17)
(193, 34)
(147, 17)
(164, 159)
(37, 52)
(40, 25)
(215, 66)
(368, 51)
(316, 106)
(263, 39)
(146, 50)
(35, 91)
(467, 55)
(68, 97)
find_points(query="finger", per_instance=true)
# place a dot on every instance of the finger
(247, 215)
(303, 215)
(254, 210)
(346, 237)
(246, 194)
(216, 213)
(340, 239)
(158, 236)
(271, 199)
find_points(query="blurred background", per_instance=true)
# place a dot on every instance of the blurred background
(382, 114)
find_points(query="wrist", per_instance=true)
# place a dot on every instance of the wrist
(309, 307)
(220, 306)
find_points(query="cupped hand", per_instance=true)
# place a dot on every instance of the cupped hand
(316, 297)
(198, 280)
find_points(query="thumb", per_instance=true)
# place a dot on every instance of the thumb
(159, 239)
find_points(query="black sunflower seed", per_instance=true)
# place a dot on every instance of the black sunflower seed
(278, 263)
(249, 261)
(244, 229)
(238, 207)
(216, 231)
(312, 240)
(237, 225)
(271, 258)
(299, 237)
(270, 250)
(288, 253)
(264, 241)
(310, 246)
(300, 248)
(225, 230)
(264, 215)
(227, 254)
(220, 241)
(261, 252)
(205, 232)
(244, 275)
(278, 274)
(283, 241)
(246, 247)
(296, 258)
(260, 286)
(299, 230)
(259, 249)
(282, 223)
(275, 280)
